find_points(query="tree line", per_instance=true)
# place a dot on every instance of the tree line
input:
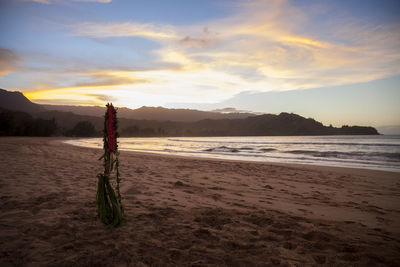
(14, 123)
(17, 123)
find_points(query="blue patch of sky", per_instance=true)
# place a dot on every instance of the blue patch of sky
(382, 11)
(325, 17)
(12, 80)
(176, 12)
(43, 29)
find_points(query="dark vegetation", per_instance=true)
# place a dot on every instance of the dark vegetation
(68, 124)
(43, 122)
(16, 123)
(83, 129)
(151, 113)
(263, 125)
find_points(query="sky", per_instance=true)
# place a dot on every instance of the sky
(335, 61)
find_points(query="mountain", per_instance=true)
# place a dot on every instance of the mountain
(157, 121)
(263, 125)
(151, 113)
(18, 102)
(67, 120)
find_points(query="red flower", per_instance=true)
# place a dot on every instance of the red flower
(110, 128)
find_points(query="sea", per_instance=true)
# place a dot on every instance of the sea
(378, 152)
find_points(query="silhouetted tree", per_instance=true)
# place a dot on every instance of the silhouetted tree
(83, 129)
(15, 123)
(44, 127)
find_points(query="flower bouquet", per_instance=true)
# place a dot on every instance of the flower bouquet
(109, 203)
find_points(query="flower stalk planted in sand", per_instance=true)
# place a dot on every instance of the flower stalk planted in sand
(109, 204)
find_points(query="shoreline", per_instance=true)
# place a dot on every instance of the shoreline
(242, 160)
(192, 211)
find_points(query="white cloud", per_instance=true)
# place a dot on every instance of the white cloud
(265, 37)
(264, 46)
(105, 30)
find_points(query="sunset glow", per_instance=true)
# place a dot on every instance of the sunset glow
(202, 55)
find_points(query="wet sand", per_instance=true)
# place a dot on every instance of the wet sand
(192, 212)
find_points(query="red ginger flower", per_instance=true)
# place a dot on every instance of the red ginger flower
(110, 128)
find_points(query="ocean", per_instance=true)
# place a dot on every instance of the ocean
(381, 152)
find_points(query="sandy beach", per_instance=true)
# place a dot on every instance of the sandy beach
(192, 212)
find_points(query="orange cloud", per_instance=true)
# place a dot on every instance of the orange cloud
(262, 47)
(300, 40)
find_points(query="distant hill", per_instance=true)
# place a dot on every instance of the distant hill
(19, 123)
(67, 120)
(18, 102)
(151, 113)
(150, 121)
(263, 125)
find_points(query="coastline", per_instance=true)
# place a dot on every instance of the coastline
(185, 210)
(365, 152)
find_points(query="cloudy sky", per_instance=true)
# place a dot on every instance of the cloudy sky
(335, 61)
